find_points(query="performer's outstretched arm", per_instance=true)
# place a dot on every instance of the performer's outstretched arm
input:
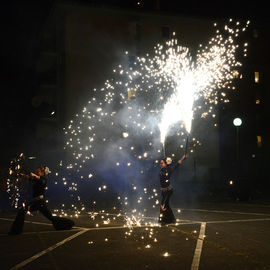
(24, 175)
(180, 161)
(31, 176)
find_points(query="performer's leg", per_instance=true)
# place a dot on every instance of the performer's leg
(161, 212)
(58, 223)
(17, 225)
(45, 210)
(168, 216)
(167, 198)
(163, 199)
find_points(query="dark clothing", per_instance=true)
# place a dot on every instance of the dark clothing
(165, 174)
(37, 203)
(34, 205)
(166, 216)
(39, 186)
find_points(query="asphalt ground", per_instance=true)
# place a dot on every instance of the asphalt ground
(210, 236)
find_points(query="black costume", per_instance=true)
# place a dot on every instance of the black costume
(38, 203)
(166, 216)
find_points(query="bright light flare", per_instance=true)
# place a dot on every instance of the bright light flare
(191, 78)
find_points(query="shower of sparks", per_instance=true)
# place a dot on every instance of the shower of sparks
(192, 78)
(16, 186)
(169, 87)
(120, 132)
(125, 123)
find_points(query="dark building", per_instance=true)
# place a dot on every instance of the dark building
(82, 45)
(244, 149)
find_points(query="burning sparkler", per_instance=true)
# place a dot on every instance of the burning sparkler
(16, 186)
(211, 70)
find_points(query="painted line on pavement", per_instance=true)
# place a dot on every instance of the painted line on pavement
(27, 261)
(27, 221)
(198, 249)
(238, 220)
(225, 212)
(184, 222)
(44, 232)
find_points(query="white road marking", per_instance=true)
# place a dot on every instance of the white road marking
(52, 231)
(183, 222)
(197, 253)
(198, 249)
(225, 212)
(26, 221)
(27, 261)
(238, 220)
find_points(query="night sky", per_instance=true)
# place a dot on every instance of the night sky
(22, 23)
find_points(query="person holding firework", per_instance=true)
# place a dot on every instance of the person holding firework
(167, 167)
(38, 203)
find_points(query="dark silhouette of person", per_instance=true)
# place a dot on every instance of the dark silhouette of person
(166, 215)
(38, 203)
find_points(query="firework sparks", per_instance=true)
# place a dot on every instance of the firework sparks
(190, 78)
(174, 73)
(142, 102)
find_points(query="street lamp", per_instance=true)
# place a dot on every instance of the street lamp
(237, 123)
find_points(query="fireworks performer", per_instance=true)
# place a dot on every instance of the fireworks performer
(38, 202)
(167, 167)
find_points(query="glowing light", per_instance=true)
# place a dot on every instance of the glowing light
(193, 78)
(125, 134)
(237, 122)
(166, 254)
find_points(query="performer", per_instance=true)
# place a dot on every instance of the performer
(38, 202)
(166, 215)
